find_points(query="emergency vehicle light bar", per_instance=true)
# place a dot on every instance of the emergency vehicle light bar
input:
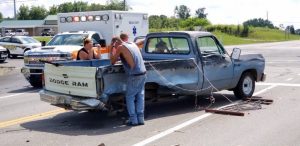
(90, 18)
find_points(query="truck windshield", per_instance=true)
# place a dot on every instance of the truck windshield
(68, 39)
(27, 40)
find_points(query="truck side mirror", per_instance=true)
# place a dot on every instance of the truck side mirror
(236, 52)
(102, 42)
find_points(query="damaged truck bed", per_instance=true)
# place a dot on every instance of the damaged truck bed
(178, 63)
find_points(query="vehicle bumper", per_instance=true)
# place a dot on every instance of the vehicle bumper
(71, 102)
(3, 55)
(31, 72)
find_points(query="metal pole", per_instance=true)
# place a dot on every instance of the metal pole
(124, 5)
(15, 10)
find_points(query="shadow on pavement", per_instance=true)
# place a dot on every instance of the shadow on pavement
(27, 88)
(99, 123)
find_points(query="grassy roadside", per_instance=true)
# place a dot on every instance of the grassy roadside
(256, 35)
(43, 38)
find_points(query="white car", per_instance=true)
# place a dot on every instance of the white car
(21, 32)
(17, 45)
(3, 54)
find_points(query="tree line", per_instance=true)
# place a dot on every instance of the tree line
(182, 19)
(40, 12)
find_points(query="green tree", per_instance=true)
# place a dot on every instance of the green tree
(38, 13)
(200, 13)
(292, 29)
(259, 23)
(190, 23)
(65, 7)
(23, 13)
(154, 22)
(96, 7)
(164, 21)
(116, 5)
(173, 23)
(245, 31)
(80, 6)
(53, 10)
(183, 12)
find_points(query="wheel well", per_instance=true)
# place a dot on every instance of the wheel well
(27, 49)
(252, 72)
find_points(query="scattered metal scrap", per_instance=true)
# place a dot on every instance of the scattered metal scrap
(236, 109)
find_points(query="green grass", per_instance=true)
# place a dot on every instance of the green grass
(271, 35)
(256, 35)
(43, 38)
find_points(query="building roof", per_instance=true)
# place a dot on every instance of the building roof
(21, 23)
(51, 17)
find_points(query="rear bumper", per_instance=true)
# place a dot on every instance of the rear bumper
(30, 72)
(71, 102)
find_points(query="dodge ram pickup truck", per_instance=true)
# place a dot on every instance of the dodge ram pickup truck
(178, 63)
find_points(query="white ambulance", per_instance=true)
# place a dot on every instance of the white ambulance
(108, 23)
(73, 27)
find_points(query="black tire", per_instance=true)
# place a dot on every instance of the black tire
(8, 54)
(1, 61)
(14, 56)
(35, 81)
(245, 87)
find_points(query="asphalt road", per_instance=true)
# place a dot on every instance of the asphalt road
(25, 120)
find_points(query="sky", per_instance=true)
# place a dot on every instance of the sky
(286, 12)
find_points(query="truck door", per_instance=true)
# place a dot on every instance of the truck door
(217, 64)
(18, 46)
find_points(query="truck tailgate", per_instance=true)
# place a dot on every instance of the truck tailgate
(71, 80)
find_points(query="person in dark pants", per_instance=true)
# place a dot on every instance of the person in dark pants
(135, 69)
(87, 52)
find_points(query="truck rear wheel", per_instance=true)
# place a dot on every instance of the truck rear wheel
(245, 87)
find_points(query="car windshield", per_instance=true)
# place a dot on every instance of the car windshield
(27, 40)
(68, 39)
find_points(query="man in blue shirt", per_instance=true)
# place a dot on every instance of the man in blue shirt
(135, 69)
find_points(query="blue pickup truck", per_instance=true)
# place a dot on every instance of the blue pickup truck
(178, 63)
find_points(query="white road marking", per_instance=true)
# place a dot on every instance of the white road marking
(289, 79)
(17, 94)
(189, 122)
(264, 90)
(279, 84)
(284, 61)
(298, 74)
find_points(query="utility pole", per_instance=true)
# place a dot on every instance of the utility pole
(124, 5)
(15, 10)
(267, 15)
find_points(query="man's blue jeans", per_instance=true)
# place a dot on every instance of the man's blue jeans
(135, 98)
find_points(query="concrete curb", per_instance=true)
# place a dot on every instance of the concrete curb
(4, 70)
